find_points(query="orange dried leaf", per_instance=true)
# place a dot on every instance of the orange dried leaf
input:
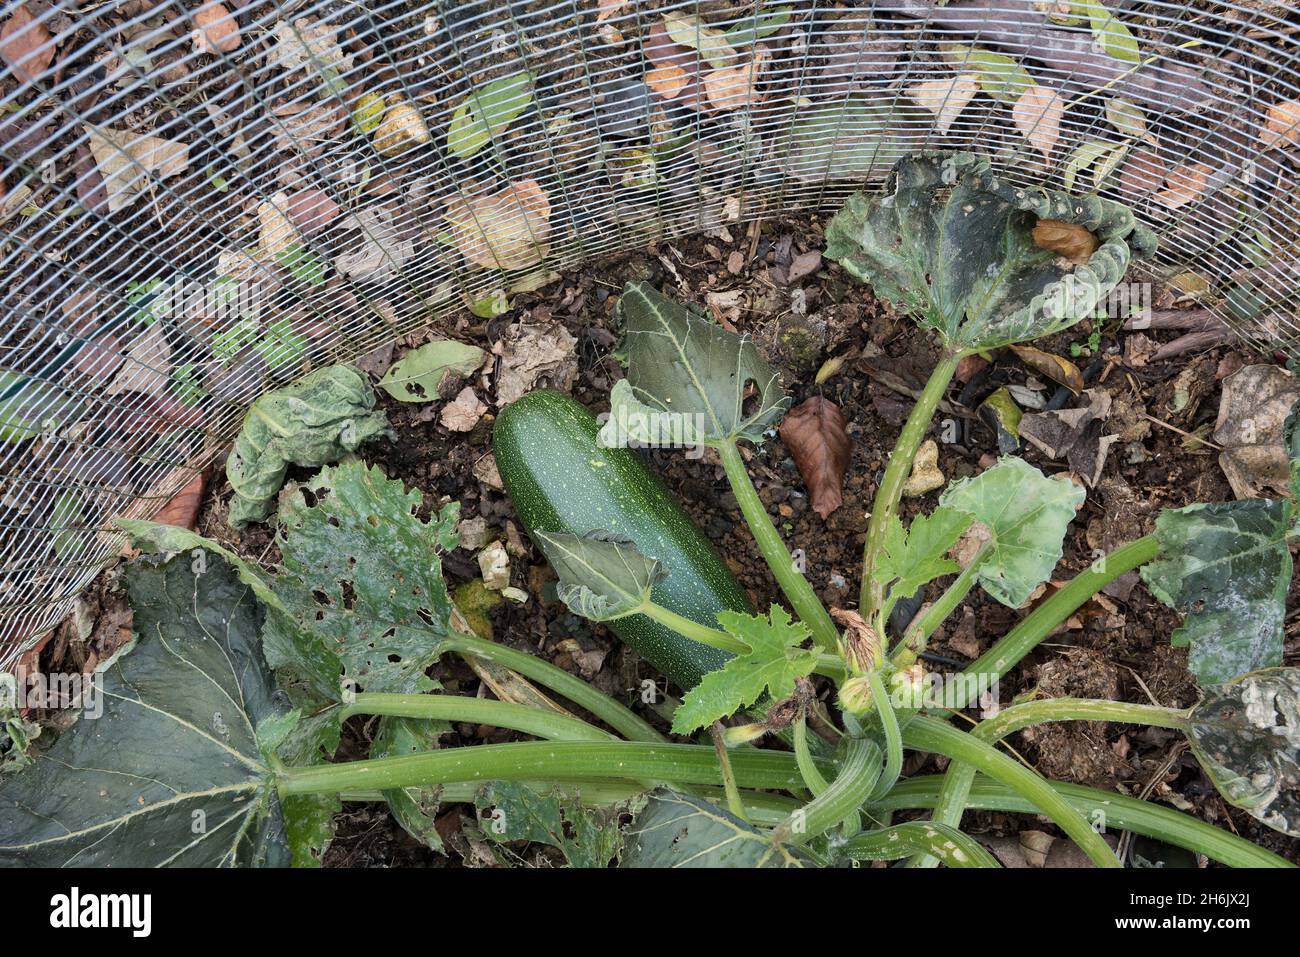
(667, 81)
(1143, 172)
(1055, 367)
(1185, 184)
(815, 434)
(1037, 114)
(215, 30)
(26, 45)
(945, 98)
(503, 230)
(733, 88)
(1281, 125)
(183, 507)
(1070, 240)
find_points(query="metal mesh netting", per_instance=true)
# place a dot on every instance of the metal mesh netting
(202, 201)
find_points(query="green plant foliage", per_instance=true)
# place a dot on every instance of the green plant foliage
(311, 422)
(1111, 33)
(774, 662)
(1001, 77)
(913, 557)
(510, 811)
(417, 375)
(677, 830)
(488, 112)
(176, 769)
(951, 242)
(850, 138)
(415, 808)
(1227, 567)
(29, 407)
(758, 26)
(602, 576)
(1246, 734)
(682, 364)
(1027, 513)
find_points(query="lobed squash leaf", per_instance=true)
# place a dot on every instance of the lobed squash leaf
(913, 557)
(677, 830)
(513, 811)
(1027, 513)
(952, 243)
(1227, 567)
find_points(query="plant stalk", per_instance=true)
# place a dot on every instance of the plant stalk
(916, 637)
(893, 736)
(550, 725)
(885, 506)
(734, 803)
(914, 837)
(796, 587)
(843, 796)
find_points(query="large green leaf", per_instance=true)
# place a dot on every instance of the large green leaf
(602, 575)
(1291, 443)
(686, 378)
(176, 771)
(1246, 734)
(512, 811)
(1227, 567)
(677, 830)
(775, 660)
(913, 558)
(312, 422)
(952, 243)
(488, 112)
(1027, 513)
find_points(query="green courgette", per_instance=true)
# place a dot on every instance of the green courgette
(561, 480)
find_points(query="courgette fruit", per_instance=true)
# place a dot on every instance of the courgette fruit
(561, 480)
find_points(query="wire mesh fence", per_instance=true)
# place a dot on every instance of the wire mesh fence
(202, 200)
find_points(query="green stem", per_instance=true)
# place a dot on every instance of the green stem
(916, 638)
(842, 797)
(893, 736)
(796, 587)
(812, 776)
(500, 714)
(734, 803)
(897, 470)
(570, 761)
(625, 722)
(916, 837)
(928, 734)
(960, 776)
(1120, 812)
(1019, 641)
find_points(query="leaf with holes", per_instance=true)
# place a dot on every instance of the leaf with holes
(488, 112)
(1227, 567)
(1246, 735)
(602, 575)
(774, 662)
(512, 811)
(677, 830)
(177, 769)
(952, 243)
(1027, 512)
(419, 375)
(687, 378)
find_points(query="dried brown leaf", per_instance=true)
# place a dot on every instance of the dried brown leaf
(814, 432)
(1281, 125)
(503, 230)
(215, 30)
(1055, 367)
(945, 98)
(667, 81)
(183, 508)
(462, 413)
(1185, 184)
(26, 45)
(1143, 172)
(1070, 240)
(734, 87)
(1037, 114)
(124, 158)
(311, 210)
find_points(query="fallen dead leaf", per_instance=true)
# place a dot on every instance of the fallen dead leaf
(276, 232)
(1252, 412)
(1055, 367)
(530, 355)
(1281, 125)
(99, 358)
(26, 46)
(503, 230)
(183, 508)
(734, 87)
(814, 432)
(147, 368)
(402, 129)
(215, 30)
(1075, 435)
(311, 45)
(1143, 172)
(381, 250)
(1070, 240)
(1184, 185)
(1037, 114)
(462, 413)
(925, 476)
(667, 81)
(311, 210)
(945, 98)
(486, 471)
(124, 158)
(494, 566)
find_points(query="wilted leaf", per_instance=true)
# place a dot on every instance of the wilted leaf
(758, 25)
(518, 812)
(29, 407)
(182, 509)
(1002, 414)
(311, 422)
(530, 355)
(26, 45)
(1246, 735)
(814, 432)
(952, 243)
(683, 368)
(677, 830)
(775, 660)
(1185, 184)
(912, 558)
(508, 229)
(125, 159)
(177, 744)
(415, 808)
(311, 45)
(734, 88)
(1070, 240)
(945, 98)
(1075, 434)
(1001, 76)
(1037, 114)
(690, 31)
(402, 129)
(488, 112)
(311, 210)
(462, 413)
(1126, 116)
(667, 81)
(1027, 513)
(925, 475)
(1051, 365)
(380, 251)
(1281, 125)
(602, 576)
(215, 30)
(1227, 567)
(1084, 155)
(1256, 402)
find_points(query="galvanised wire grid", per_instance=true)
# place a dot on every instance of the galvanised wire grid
(193, 213)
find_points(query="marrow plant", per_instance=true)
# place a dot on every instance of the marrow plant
(222, 718)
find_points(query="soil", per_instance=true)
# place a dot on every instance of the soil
(1116, 647)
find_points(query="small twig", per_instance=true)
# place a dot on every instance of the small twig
(1192, 342)
(1174, 428)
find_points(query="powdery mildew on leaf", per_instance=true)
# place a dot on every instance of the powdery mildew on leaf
(676, 830)
(602, 576)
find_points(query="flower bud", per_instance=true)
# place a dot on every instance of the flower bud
(855, 695)
(860, 646)
(907, 687)
(743, 734)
